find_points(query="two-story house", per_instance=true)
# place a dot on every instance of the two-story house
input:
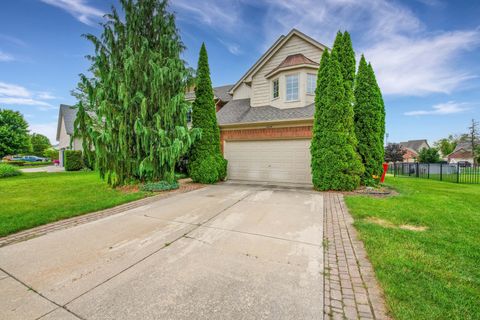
(266, 127)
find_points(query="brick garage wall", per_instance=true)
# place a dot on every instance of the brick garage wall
(265, 134)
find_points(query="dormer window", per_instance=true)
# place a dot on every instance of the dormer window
(311, 83)
(292, 87)
(275, 89)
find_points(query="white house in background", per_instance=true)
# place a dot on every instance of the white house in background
(66, 119)
(266, 128)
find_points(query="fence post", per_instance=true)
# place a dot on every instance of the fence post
(416, 170)
(428, 171)
(458, 172)
(441, 171)
(394, 169)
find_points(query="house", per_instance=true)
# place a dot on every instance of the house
(462, 152)
(66, 119)
(413, 148)
(221, 95)
(266, 127)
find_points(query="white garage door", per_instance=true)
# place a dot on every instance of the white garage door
(269, 160)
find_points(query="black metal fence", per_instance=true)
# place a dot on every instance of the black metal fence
(456, 173)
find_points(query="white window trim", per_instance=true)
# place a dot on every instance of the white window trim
(273, 89)
(306, 87)
(298, 87)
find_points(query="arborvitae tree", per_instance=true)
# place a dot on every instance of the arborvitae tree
(343, 49)
(369, 123)
(335, 162)
(137, 94)
(319, 119)
(206, 163)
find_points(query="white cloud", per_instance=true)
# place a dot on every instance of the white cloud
(25, 102)
(47, 129)
(233, 48)
(12, 94)
(7, 89)
(408, 59)
(423, 65)
(449, 107)
(5, 57)
(45, 95)
(79, 9)
(221, 14)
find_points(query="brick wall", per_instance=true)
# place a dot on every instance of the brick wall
(265, 134)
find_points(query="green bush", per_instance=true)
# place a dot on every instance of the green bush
(7, 170)
(159, 186)
(209, 169)
(73, 160)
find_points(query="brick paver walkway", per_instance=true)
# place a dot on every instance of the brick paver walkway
(351, 289)
(185, 186)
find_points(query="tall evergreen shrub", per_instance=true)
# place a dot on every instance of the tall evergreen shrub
(369, 122)
(335, 162)
(137, 110)
(206, 164)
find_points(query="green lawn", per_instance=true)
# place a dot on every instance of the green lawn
(34, 199)
(432, 274)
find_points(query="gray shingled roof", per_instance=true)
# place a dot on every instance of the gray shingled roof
(464, 145)
(240, 111)
(68, 113)
(219, 92)
(414, 144)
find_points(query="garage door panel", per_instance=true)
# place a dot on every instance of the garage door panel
(269, 160)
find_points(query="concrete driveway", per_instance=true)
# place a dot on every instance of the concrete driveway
(221, 252)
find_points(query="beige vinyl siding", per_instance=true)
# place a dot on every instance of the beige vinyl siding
(242, 92)
(64, 139)
(261, 91)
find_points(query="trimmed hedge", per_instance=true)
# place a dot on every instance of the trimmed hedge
(7, 170)
(159, 186)
(73, 160)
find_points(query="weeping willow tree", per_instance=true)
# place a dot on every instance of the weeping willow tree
(135, 117)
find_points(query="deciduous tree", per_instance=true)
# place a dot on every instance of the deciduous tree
(394, 152)
(40, 143)
(14, 136)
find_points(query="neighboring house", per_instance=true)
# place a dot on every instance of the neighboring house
(66, 118)
(413, 148)
(462, 152)
(266, 128)
(221, 96)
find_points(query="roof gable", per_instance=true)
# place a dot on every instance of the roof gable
(68, 114)
(415, 145)
(272, 50)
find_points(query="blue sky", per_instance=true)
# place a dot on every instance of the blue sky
(426, 53)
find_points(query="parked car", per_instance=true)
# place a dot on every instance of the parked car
(32, 159)
(464, 164)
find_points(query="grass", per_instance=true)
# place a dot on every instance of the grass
(432, 274)
(34, 199)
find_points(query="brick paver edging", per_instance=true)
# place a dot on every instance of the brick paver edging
(185, 186)
(351, 289)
